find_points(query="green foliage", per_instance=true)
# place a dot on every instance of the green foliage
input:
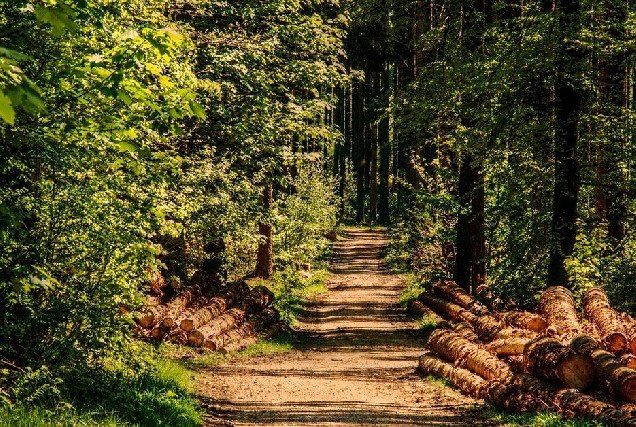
(136, 388)
(304, 215)
(534, 419)
(292, 288)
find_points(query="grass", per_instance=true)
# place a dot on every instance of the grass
(149, 391)
(536, 419)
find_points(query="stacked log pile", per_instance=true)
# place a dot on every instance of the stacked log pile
(226, 318)
(553, 360)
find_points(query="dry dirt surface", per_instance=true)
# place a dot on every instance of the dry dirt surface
(353, 364)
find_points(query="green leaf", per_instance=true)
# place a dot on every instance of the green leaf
(126, 147)
(123, 95)
(7, 113)
(58, 17)
(197, 110)
(13, 54)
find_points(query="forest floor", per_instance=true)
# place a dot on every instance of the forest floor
(353, 362)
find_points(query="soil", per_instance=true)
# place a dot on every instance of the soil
(353, 363)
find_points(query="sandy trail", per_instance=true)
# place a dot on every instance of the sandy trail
(353, 365)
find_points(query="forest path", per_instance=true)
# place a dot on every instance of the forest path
(353, 363)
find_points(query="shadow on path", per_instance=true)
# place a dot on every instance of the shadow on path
(354, 362)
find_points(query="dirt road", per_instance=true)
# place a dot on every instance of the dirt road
(354, 363)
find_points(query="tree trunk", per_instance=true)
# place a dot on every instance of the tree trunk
(221, 324)
(452, 292)
(470, 269)
(618, 379)
(611, 200)
(358, 147)
(525, 320)
(548, 359)
(567, 181)
(557, 306)
(265, 257)
(455, 348)
(607, 321)
(384, 144)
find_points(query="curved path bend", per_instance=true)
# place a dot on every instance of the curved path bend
(353, 363)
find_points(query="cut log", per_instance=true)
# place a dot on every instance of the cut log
(216, 327)
(630, 329)
(486, 326)
(548, 359)
(525, 320)
(246, 335)
(470, 383)
(250, 328)
(608, 322)
(629, 360)
(524, 392)
(419, 309)
(255, 300)
(557, 306)
(447, 309)
(200, 317)
(450, 291)
(466, 331)
(455, 348)
(611, 374)
(171, 309)
(505, 347)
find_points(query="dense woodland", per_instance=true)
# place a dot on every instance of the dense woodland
(225, 138)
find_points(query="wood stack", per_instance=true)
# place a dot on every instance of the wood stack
(544, 361)
(227, 318)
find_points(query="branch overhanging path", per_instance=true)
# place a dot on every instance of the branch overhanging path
(354, 362)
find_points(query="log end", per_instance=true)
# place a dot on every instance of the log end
(537, 324)
(146, 321)
(577, 371)
(195, 338)
(616, 342)
(187, 325)
(632, 345)
(629, 361)
(628, 388)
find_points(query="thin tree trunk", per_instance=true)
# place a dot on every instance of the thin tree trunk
(265, 257)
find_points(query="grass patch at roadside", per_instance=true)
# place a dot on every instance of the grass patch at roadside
(138, 389)
(536, 419)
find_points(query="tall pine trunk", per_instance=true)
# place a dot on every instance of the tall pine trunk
(567, 181)
(611, 194)
(265, 257)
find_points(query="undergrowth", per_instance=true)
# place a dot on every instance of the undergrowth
(293, 288)
(142, 389)
(537, 419)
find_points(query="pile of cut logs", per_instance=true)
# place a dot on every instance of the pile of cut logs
(224, 319)
(544, 361)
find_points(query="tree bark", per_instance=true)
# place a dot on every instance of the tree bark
(452, 292)
(550, 360)
(607, 321)
(618, 379)
(567, 180)
(557, 306)
(455, 348)
(470, 267)
(525, 320)
(265, 257)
